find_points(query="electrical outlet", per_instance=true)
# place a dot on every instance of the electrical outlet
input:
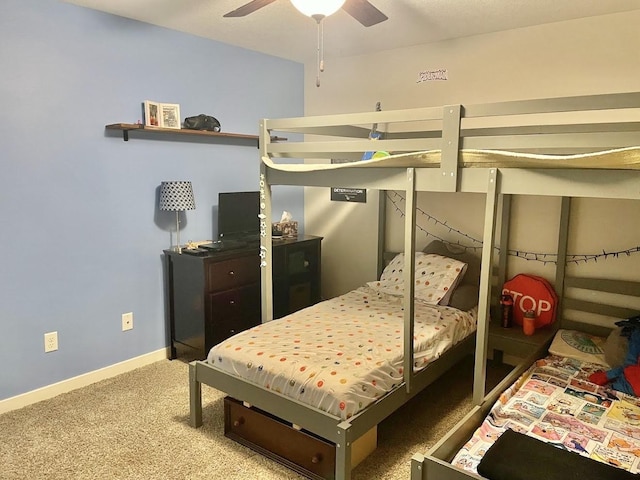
(50, 342)
(127, 321)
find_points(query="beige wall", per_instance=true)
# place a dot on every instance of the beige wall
(586, 56)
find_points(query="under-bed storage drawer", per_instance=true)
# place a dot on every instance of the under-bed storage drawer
(301, 451)
(275, 439)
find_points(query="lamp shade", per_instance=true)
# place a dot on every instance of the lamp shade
(176, 196)
(323, 8)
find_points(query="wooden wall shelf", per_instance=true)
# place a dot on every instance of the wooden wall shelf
(142, 129)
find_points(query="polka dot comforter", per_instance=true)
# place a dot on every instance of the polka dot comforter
(342, 354)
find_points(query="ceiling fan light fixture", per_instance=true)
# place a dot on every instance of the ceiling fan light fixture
(318, 8)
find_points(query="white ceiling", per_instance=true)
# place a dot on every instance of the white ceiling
(279, 29)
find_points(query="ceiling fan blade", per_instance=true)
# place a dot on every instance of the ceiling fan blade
(364, 12)
(248, 8)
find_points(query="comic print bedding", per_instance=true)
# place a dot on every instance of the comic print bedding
(344, 353)
(554, 402)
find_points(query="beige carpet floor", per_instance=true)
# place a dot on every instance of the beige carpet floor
(135, 426)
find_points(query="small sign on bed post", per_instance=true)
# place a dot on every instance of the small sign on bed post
(339, 194)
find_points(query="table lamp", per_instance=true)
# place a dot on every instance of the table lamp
(176, 197)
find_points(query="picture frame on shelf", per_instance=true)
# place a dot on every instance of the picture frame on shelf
(151, 113)
(170, 116)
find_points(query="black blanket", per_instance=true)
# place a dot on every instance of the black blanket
(515, 456)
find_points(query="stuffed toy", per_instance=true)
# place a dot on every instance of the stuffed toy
(625, 378)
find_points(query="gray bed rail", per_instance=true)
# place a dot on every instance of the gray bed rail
(435, 464)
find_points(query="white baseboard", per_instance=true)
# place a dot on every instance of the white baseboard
(80, 381)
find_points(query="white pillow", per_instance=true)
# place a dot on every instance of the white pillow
(436, 277)
(579, 345)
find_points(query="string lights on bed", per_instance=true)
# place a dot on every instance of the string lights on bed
(395, 198)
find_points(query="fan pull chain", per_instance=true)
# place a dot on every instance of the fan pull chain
(318, 61)
(321, 46)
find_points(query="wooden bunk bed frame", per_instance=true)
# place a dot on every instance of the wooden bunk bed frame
(533, 127)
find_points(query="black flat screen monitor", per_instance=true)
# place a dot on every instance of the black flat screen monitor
(238, 214)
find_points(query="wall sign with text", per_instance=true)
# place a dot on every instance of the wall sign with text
(433, 75)
(340, 194)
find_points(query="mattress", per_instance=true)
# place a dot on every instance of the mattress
(554, 402)
(622, 158)
(342, 354)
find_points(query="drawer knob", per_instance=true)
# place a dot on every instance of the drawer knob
(231, 273)
(316, 458)
(232, 302)
(238, 422)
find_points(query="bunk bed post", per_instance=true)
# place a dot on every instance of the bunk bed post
(264, 137)
(505, 220)
(503, 241)
(482, 332)
(195, 397)
(343, 452)
(266, 269)
(561, 258)
(417, 463)
(450, 148)
(409, 269)
(382, 225)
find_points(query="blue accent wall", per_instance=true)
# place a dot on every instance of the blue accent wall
(81, 237)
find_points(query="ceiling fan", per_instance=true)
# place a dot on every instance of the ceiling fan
(363, 11)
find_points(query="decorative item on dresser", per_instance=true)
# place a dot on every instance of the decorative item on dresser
(214, 296)
(176, 197)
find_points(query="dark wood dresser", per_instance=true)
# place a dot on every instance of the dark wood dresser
(212, 297)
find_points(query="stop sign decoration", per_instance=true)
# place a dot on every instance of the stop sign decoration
(530, 292)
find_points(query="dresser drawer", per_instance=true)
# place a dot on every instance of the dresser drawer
(234, 272)
(231, 312)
